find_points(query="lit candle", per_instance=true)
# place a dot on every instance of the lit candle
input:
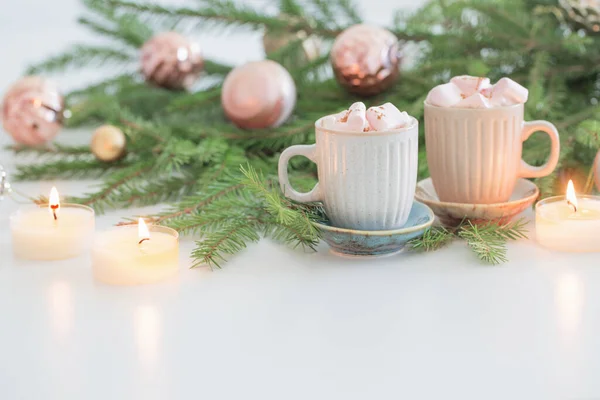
(130, 255)
(569, 223)
(52, 231)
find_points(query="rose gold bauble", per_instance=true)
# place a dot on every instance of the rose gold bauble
(33, 111)
(108, 143)
(172, 61)
(258, 94)
(365, 59)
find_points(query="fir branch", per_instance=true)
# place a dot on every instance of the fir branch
(63, 168)
(51, 150)
(108, 194)
(230, 14)
(230, 239)
(489, 247)
(588, 134)
(192, 204)
(81, 56)
(291, 217)
(160, 190)
(214, 216)
(488, 241)
(433, 239)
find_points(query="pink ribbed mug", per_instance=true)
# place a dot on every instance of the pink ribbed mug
(474, 155)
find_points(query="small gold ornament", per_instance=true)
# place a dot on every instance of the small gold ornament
(108, 143)
(365, 59)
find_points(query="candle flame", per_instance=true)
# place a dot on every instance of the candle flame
(54, 202)
(143, 232)
(571, 198)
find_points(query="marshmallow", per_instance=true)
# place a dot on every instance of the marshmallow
(445, 95)
(506, 92)
(352, 120)
(476, 100)
(387, 117)
(470, 84)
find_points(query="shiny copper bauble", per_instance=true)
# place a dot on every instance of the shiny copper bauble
(365, 59)
(108, 143)
(259, 94)
(171, 60)
(33, 110)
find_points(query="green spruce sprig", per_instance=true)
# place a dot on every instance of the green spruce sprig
(487, 241)
(251, 208)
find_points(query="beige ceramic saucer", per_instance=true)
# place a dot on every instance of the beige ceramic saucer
(451, 214)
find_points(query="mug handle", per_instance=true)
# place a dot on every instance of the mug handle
(309, 151)
(529, 171)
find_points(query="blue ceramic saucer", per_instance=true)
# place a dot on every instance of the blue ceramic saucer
(355, 243)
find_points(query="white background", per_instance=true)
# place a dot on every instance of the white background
(279, 324)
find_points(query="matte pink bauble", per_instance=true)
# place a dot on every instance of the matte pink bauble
(365, 59)
(259, 94)
(32, 111)
(171, 60)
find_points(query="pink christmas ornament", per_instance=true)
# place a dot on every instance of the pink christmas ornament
(33, 111)
(171, 60)
(258, 94)
(365, 59)
(387, 117)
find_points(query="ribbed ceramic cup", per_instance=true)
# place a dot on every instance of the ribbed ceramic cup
(474, 155)
(367, 180)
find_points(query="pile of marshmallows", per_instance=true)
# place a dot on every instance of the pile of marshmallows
(461, 92)
(359, 119)
(475, 92)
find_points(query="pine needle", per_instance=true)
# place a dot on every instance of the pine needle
(432, 239)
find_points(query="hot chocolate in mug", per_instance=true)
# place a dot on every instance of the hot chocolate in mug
(367, 180)
(474, 154)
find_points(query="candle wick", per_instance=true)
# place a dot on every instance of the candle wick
(572, 205)
(54, 207)
(140, 242)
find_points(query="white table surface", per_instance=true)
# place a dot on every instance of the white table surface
(280, 324)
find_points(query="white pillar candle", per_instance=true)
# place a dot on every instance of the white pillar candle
(52, 231)
(133, 255)
(569, 223)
